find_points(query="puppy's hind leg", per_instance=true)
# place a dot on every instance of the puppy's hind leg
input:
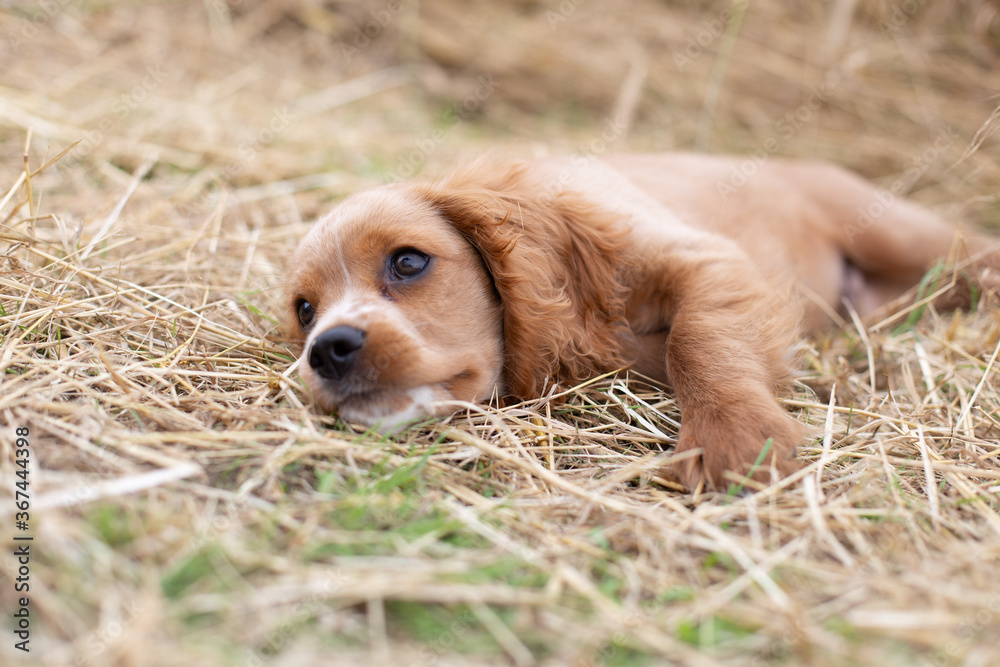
(892, 243)
(891, 254)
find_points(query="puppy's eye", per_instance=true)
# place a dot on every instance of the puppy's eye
(306, 313)
(408, 263)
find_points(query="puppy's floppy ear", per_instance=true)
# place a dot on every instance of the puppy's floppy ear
(556, 262)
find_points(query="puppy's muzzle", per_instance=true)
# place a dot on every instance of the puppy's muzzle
(335, 351)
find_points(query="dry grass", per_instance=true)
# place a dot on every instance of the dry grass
(188, 505)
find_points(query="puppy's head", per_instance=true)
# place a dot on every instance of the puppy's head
(395, 309)
(410, 295)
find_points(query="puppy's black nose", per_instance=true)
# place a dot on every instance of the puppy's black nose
(335, 350)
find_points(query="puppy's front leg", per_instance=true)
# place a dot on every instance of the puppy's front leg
(726, 356)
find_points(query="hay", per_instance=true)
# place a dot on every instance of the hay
(189, 506)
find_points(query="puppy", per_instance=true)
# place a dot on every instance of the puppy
(503, 279)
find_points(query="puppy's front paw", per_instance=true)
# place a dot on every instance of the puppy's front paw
(732, 439)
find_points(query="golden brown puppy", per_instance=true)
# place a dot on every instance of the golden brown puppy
(507, 278)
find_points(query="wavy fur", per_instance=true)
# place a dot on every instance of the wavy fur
(556, 262)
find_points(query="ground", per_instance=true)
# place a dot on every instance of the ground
(189, 506)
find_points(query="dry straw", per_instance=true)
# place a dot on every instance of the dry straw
(189, 506)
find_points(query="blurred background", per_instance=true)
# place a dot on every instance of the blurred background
(233, 96)
(160, 160)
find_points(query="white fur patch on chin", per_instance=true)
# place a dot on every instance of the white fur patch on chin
(419, 404)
